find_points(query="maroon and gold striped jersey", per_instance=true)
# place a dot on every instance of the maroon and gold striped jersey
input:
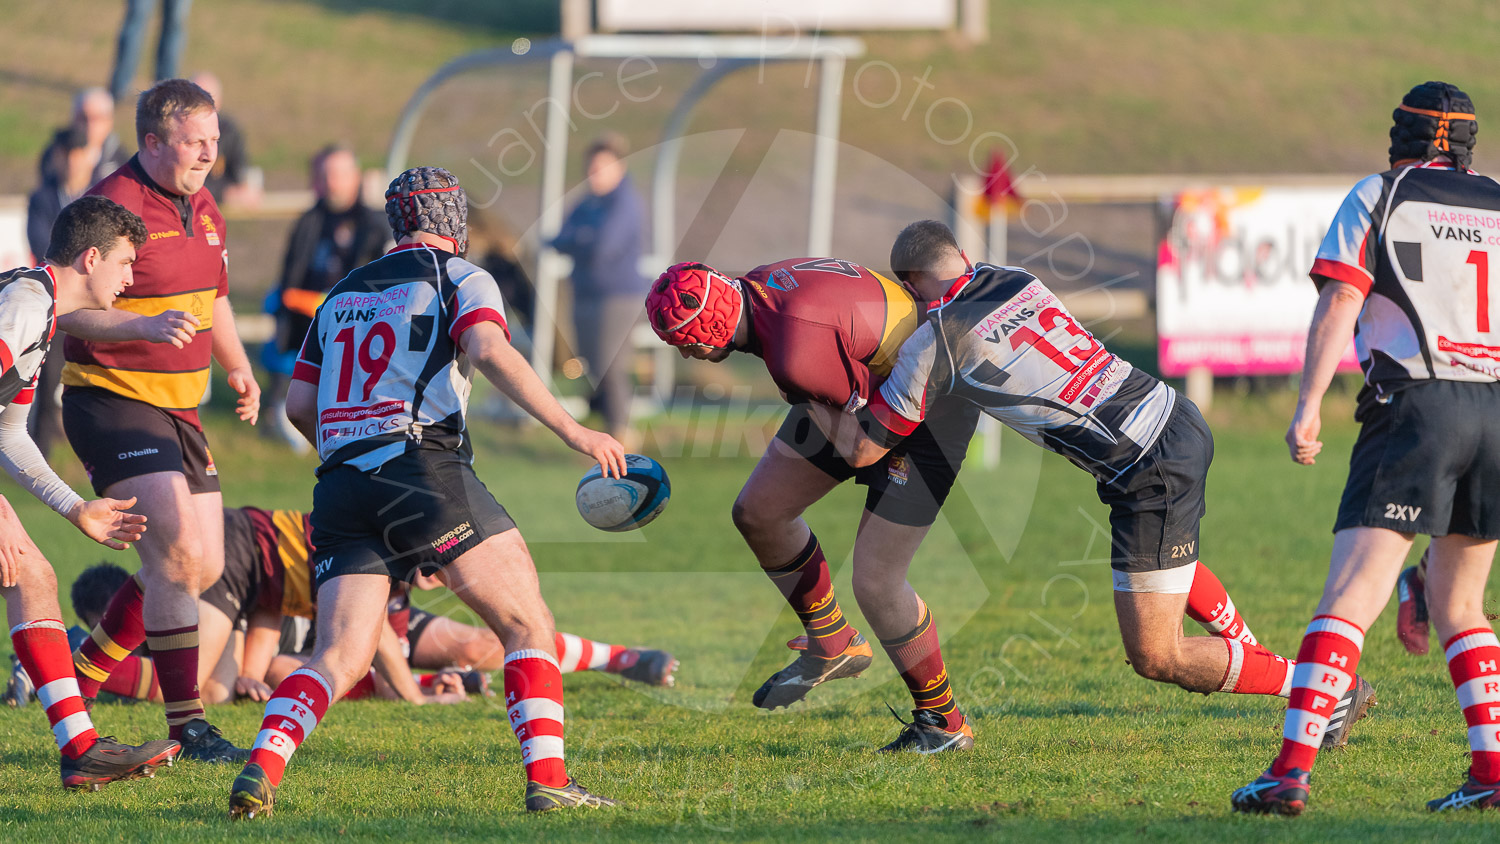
(182, 266)
(824, 326)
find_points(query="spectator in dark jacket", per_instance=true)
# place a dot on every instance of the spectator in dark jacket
(605, 236)
(94, 118)
(68, 173)
(333, 237)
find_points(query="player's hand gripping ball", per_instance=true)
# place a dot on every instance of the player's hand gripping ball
(618, 504)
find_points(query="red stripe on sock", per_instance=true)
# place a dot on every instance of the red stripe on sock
(1476, 674)
(1210, 606)
(363, 689)
(43, 652)
(1324, 657)
(531, 678)
(300, 696)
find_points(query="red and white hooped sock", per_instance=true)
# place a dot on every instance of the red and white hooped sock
(1474, 664)
(1209, 604)
(575, 653)
(1253, 670)
(1325, 670)
(534, 703)
(42, 647)
(292, 714)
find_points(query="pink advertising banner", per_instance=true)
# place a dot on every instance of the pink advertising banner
(1232, 290)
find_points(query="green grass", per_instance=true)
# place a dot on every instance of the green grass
(1071, 744)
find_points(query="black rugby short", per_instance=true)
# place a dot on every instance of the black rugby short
(419, 511)
(118, 438)
(909, 485)
(238, 588)
(1155, 507)
(1428, 461)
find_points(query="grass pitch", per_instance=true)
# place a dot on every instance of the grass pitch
(1071, 744)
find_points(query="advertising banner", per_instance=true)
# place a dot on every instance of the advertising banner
(1232, 290)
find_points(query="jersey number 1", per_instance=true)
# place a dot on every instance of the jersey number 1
(369, 361)
(1481, 262)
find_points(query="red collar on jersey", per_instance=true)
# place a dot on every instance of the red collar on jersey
(957, 286)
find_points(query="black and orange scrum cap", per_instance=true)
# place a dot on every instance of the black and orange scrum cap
(1434, 118)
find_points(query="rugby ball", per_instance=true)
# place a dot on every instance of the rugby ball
(618, 504)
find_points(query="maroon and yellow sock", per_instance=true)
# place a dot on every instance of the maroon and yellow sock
(175, 653)
(807, 585)
(134, 678)
(118, 632)
(919, 659)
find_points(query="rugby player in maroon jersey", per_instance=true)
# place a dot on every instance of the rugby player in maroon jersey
(828, 330)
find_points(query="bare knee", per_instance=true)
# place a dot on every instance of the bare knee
(36, 574)
(870, 587)
(746, 520)
(177, 566)
(479, 649)
(1153, 661)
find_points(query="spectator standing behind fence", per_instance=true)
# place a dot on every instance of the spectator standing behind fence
(65, 176)
(333, 237)
(232, 181)
(94, 120)
(78, 155)
(174, 15)
(604, 235)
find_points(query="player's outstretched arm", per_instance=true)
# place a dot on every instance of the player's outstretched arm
(230, 353)
(486, 345)
(113, 325)
(392, 667)
(262, 640)
(1339, 304)
(103, 520)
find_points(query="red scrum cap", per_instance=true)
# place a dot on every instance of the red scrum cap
(693, 303)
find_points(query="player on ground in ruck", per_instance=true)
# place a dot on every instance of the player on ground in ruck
(380, 388)
(1406, 267)
(87, 265)
(828, 330)
(996, 337)
(267, 580)
(437, 641)
(130, 407)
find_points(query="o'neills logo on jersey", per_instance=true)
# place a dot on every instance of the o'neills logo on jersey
(452, 538)
(143, 452)
(164, 235)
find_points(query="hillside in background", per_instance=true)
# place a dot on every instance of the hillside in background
(1080, 86)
